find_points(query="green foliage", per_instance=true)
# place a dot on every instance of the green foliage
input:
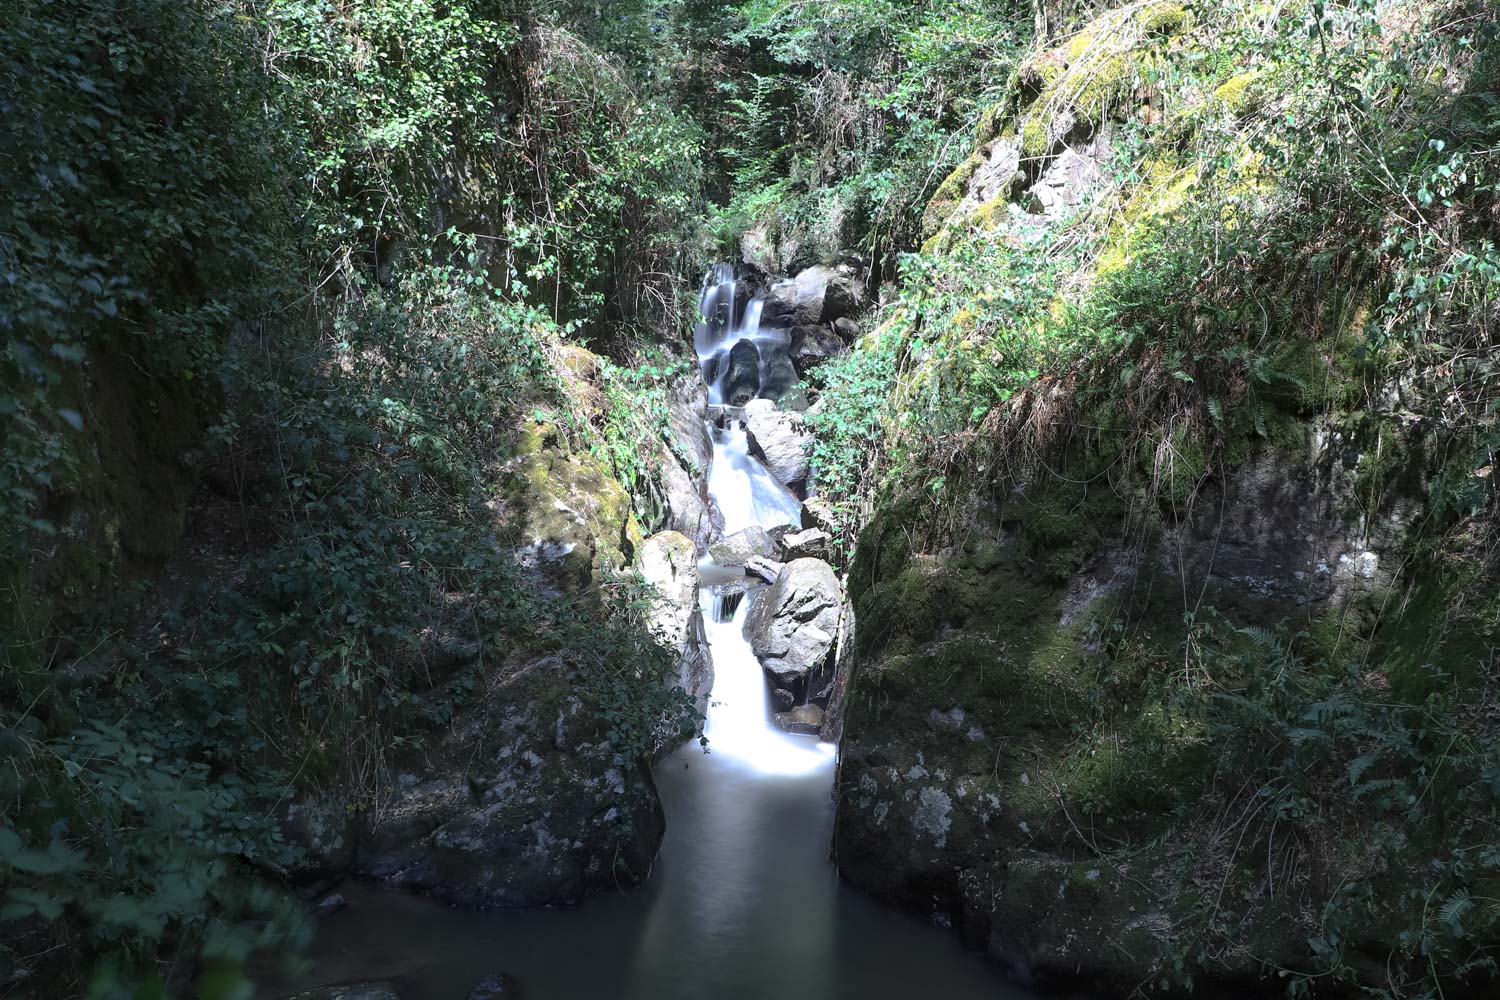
(850, 109)
(335, 251)
(1325, 749)
(146, 211)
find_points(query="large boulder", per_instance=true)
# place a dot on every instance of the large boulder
(524, 802)
(778, 376)
(669, 562)
(737, 549)
(781, 441)
(792, 623)
(565, 517)
(1009, 762)
(813, 345)
(740, 382)
(812, 542)
(816, 295)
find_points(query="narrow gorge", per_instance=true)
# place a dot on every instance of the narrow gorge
(743, 499)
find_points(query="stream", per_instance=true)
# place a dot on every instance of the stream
(744, 901)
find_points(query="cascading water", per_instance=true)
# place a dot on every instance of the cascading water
(743, 903)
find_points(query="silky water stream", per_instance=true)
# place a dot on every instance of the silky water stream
(743, 901)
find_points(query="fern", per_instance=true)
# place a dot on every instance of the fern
(1455, 909)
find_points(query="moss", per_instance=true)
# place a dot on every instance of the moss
(949, 193)
(1163, 19)
(1176, 462)
(568, 504)
(1102, 87)
(1035, 142)
(988, 126)
(992, 213)
(1238, 95)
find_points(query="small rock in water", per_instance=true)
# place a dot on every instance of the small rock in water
(737, 549)
(351, 991)
(496, 987)
(782, 700)
(804, 719)
(331, 904)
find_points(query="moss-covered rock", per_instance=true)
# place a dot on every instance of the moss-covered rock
(1020, 754)
(564, 514)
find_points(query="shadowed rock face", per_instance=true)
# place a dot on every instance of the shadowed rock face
(524, 803)
(978, 662)
(742, 381)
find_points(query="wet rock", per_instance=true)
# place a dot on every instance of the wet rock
(806, 720)
(846, 329)
(685, 462)
(522, 803)
(812, 345)
(762, 568)
(497, 987)
(741, 382)
(782, 700)
(792, 624)
(737, 549)
(331, 904)
(816, 295)
(779, 375)
(687, 511)
(351, 991)
(781, 441)
(810, 543)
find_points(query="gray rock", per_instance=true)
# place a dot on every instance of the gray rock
(816, 295)
(522, 803)
(669, 562)
(950, 721)
(351, 991)
(792, 624)
(331, 904)
(812, 345)
(846, 329)
(741, 383)
(781, 441)
(762, 568)
(687, 511)
(737, 549)
(326, 828)
(778, 375)
(782, 700)
(804, 719)
(809, 543)
(497, 987)
(1071, 177)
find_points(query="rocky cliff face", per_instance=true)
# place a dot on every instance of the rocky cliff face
(1008, 764)
(1161, 688)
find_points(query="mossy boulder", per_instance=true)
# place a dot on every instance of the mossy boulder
(1014, 760)
(523, 803)
(563, 514)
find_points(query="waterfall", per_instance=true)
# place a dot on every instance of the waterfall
(739, 726)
